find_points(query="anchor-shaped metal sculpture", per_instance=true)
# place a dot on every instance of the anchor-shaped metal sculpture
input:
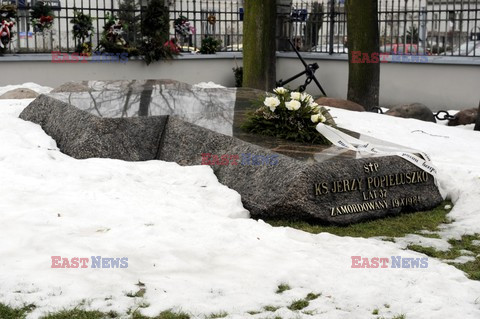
(309, 71)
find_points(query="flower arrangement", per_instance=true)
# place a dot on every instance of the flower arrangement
(113, 37)
(41, 17)
(290, 115)
(82, 29)
(211, 19)
(172, 47)
(113, 31)
(210, 45)
(7, 17)
(155, 30)
(183, 27)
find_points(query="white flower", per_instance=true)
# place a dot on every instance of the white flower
(280, 90)
(293, 105)
(318, 118)
(314, 106)
(271, 102)
(296, 96)
(306, 98)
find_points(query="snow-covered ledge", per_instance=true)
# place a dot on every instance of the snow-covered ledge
(189, 68)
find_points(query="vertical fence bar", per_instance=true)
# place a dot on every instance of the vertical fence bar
(460, 26)
(35, 37)
(237, 29)
(320, 43)
(332, 26)
(436, 9)
(59, 24)
(476, 29)
(97, 15)
(468, 24)
(232, 43)
(382, 30)
(17, 23)
(195, 24)
(392, 27)
(415, 38)
(447, 18)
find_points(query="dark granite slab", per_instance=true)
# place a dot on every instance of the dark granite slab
(218, 109)
(172, 121)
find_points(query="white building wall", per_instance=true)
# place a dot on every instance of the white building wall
(440, 84)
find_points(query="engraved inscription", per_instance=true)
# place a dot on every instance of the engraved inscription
(373, 189)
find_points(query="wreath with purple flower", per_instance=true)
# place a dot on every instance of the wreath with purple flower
(183, 27)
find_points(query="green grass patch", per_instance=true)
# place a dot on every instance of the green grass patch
(396, 226)
(271, 308)
(7, 312)
(432, 252)
(76, 314)
(396, 317)
(282, 287)
(430, 235)
(140, 293)
(311, 296)
(471, 268)
(89, 314)
(167, 314)
(221, 314)
(375, 312)
(299, 304)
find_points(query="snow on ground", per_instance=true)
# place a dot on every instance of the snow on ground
(208, 85)
(188, 238)
(32, 86)
(454, 150)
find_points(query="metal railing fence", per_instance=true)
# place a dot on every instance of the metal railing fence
(220, 19)
(434, 27)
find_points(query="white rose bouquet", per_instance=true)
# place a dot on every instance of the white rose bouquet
(290, 115)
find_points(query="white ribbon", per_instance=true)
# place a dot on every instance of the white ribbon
(344, 140)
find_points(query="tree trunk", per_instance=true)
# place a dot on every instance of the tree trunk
(477, 123)
(259, 59)
(362, 33)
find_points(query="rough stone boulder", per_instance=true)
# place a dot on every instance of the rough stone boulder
(72, 87)
(417, 111)
(20, 93)
(340, 103)
(464, 117)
